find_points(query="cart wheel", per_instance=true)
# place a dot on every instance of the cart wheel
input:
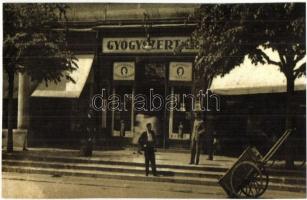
(247, 180)
(265, 176)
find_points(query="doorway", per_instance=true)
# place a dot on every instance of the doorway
(151, 86)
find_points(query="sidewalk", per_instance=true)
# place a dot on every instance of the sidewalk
(127, 164)
(130, 155)
(163, 157)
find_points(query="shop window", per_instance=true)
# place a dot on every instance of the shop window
(181, 116)
(122, 116)
(154, 72)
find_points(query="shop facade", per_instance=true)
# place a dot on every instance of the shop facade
(147, 80)
(122, 55)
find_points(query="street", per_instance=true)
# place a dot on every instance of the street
(18, 185)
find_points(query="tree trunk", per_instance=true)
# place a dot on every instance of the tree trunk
(289, 123)
(10, 112)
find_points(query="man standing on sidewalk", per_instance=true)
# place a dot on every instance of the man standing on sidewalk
(147, 142)
(210, 137)
(196, 139)
(88, 138)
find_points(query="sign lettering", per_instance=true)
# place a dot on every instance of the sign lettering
(137, 45)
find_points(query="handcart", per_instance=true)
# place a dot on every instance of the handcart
(248, 178)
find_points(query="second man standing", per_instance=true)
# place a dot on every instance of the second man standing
(147, 141)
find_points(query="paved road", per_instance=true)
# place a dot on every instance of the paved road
(16, 185)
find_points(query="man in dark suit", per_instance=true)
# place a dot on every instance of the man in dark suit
(197, 138)
(147, 142)
(210, 135)
(88, 138)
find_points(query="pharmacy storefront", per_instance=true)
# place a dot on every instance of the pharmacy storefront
(148, 82)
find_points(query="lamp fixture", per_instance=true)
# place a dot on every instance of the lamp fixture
(147, 26)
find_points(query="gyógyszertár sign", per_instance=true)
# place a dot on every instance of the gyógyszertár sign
(156, 45)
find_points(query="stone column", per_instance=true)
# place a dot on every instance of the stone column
(21, 134)
(132, 110)
(23, 102)
(171, 114)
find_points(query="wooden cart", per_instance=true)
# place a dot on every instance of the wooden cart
(248, 178)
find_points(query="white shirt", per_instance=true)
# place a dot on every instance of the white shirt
(149, 136)
(197, 123)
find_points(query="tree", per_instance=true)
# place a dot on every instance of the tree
(229, 32)
(31, 45)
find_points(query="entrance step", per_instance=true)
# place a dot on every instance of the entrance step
(217, 168)
(136, 177)
(92, 167)
(163, 171)
(140, 163)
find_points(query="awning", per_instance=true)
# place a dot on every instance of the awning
(254, 79)
(256, 90)
(65, 88)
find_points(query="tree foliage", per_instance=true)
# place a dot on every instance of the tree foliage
(31, 45)
(229, 32)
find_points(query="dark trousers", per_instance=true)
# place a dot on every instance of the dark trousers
(210, 149)
(195, 151)
(149, 154)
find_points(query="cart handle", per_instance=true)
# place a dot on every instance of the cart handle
(276, 146)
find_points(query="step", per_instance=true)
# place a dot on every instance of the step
(114, 175)
(137, 177)
(216, 168)
(139, 170)
(213, 168)
(112, 168)
(287, 173)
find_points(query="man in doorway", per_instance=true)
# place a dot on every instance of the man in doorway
(147, 142)
(196, 139)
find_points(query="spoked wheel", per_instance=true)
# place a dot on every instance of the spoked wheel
(265, 182)
(247, 180)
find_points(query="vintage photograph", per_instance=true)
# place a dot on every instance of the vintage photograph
(154, 100)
